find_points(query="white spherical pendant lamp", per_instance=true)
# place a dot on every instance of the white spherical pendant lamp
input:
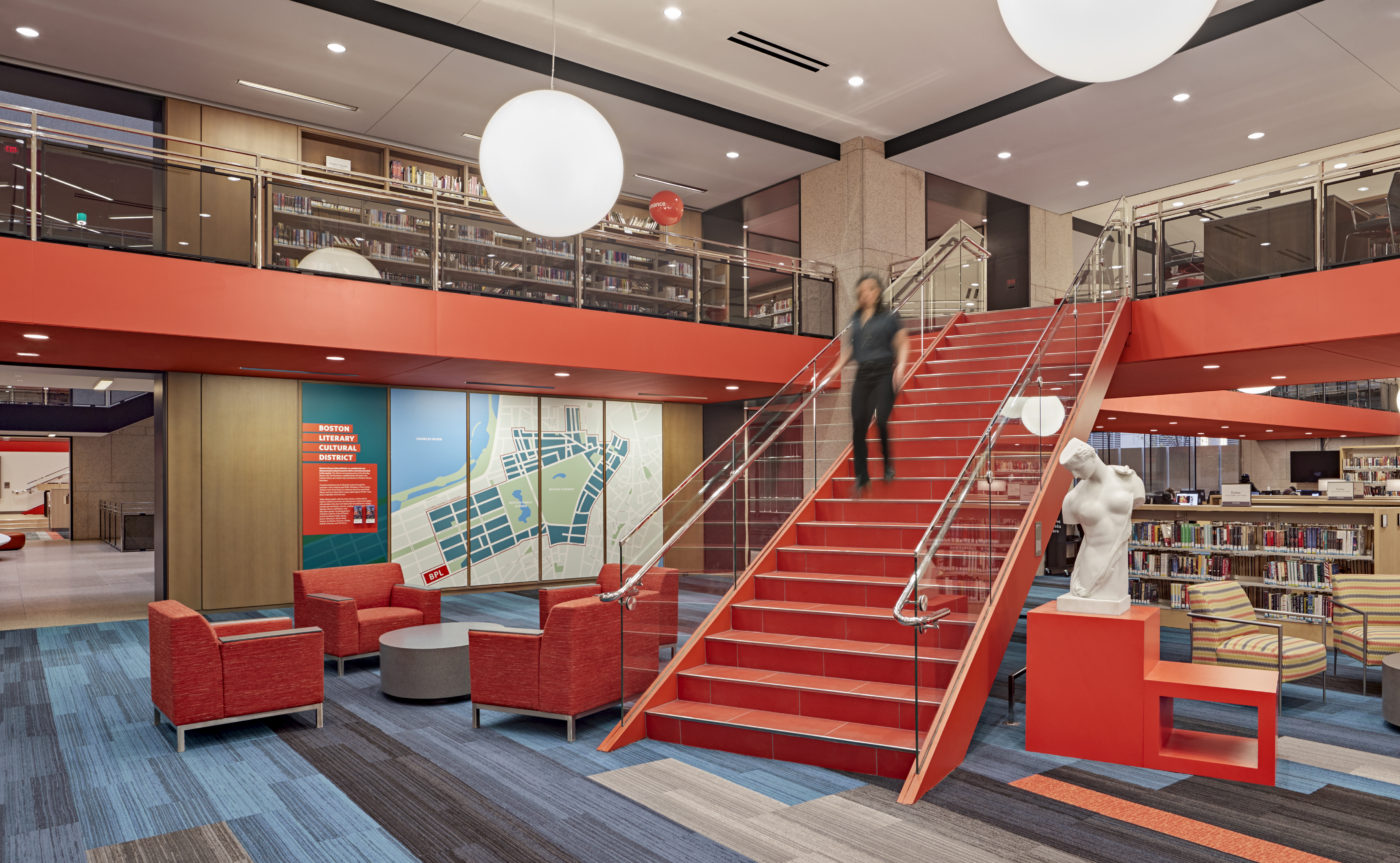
(1255, 391)
(1043, 415)
(551, 163)
(1102, 40)
(336, 261)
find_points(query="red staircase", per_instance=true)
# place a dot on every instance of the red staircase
(805, 661)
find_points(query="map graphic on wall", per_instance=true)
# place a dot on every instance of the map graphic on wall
(428, 485)
(571, 477)
(634, 478)
(505, 509)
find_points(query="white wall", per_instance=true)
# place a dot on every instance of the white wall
(18, 470)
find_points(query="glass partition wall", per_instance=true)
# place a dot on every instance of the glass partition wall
(99, 184)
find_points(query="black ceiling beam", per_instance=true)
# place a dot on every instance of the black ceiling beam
(1216, 26)
(474, 42)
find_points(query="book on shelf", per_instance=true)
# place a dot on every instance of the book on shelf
(408, 173)
(1254, 536)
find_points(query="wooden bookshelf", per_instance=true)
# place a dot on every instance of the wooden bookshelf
(485, 256)
(417, 173)
(621, 277)
(1283, 555)
(397, 240)
(365, 157)
(1371, 466)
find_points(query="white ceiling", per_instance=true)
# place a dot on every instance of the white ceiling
(1326, 74)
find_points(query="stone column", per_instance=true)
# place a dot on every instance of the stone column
(862, 214)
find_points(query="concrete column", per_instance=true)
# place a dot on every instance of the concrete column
(862, 214)
(1052, 255)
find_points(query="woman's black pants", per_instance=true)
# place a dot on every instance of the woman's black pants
(872, 395)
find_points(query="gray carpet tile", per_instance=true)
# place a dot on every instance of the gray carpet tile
(210, 843)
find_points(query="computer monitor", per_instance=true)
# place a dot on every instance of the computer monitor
(1188, 498)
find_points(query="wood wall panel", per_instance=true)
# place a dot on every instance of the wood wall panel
(250, 447)
(182, 489)
(682, 435)
(180, 221)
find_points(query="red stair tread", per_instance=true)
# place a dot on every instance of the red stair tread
(821, 607)
(816, 683)
(839, 645)
(835, 730)
(838, 577)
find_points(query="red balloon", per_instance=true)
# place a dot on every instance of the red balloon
(666, 208)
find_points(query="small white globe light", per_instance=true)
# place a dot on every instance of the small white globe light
(1013, 407)
(1102, 40)
(1255, 391)
(1043, 415)
(551, 163)
(339, 262)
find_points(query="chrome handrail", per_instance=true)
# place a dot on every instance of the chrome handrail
(913, 278)
(962, 484)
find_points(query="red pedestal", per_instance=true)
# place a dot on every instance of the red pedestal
(1096, 688)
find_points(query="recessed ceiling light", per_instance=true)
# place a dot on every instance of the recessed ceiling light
(1113, 418)
(184, 243)
(471, 135)
(731, 155)
(1003, 155)
(102, 384)
(1363, 188)
(672, 13)
(1210, 367)
(1254, 136)
(1241, 434)
(1341, 435)
(335, 47)
(1339, 166)
(976, 285)
(292, 94)
(1076, 374)
(400, 210)
(336, 359)
(1278, 377)
(1268, 430)
(1082, 183)
(1181, 97)
(205, 216)
(38, 337)
(1178, 203)
(855, 81)
(1205, 218)
(26, 354)
(1265, 243)
(27, 32)
(1172, 423)
(1224, 427)
(1098, 427)
(732, 387)
(561, 374)
(1151, 429)
(233, 179)
(746, 227)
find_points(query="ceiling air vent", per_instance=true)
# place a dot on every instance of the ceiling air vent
(773, 49)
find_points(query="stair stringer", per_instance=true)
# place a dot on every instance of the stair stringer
(945, 745)
(664, 688)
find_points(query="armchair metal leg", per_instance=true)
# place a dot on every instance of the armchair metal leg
(571, 729)
(155, 719)
(320, 714)
(340, 666)
(1324, 684)
(476, 718)
(179, 739)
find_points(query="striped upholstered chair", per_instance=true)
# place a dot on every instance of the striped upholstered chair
(1365, 619)
(1225, 631)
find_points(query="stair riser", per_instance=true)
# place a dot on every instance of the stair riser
(893, 564)
(803, 660)
(824, 590)
(1008, 365)
(895, 489)
(869, 509)
(915, 399)
(841, 706)
(852, 536)
(906, 408)
(878, 630)
(1008, 440)
(902, 426)
(935, 377)
(763, 744)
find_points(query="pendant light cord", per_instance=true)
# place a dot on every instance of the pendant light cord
(554, 47)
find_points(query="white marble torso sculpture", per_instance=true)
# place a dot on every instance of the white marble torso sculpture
(1101, 503)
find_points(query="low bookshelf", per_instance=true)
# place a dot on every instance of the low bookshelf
(1371, 466)
(1284, 556)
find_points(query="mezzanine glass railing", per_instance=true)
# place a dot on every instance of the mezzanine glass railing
(71, 180)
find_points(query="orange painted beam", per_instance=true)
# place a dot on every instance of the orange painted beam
(221, 318)
(1227, 413)
(1334, 325)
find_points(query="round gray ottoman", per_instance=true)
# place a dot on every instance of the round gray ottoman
(428, 662)
(1390, 688)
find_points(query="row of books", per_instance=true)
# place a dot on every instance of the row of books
(1153, 592)
(1247, 536)
(631, 286)
(398, 221)
(406, 173)
(303, 205)
(1299, 573)
(1373, 461)
(1202, 566)
(1372, 475)
(611, 305)
(763, 310)
(469, 233)
(1312, 604)
(485, 264)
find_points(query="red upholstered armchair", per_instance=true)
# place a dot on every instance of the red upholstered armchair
(568, 670)
(660, 587)
(206, 674)
(355, 605)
